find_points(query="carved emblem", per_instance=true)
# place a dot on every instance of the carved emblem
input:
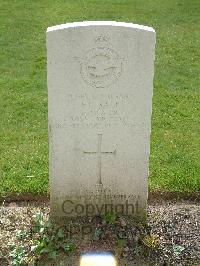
(101, 66)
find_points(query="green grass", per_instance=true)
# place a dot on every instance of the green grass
(175, 145)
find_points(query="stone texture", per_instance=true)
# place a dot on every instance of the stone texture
(100, 83)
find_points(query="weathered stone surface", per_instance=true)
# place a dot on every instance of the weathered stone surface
(100, 83)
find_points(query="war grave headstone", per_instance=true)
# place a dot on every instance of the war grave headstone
(100, 86)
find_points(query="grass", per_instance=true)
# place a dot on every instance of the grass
(175, 143)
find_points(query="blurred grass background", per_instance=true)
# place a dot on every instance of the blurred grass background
(175, 142)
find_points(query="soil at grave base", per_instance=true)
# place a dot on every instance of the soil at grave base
(175, 224)
(153, 197)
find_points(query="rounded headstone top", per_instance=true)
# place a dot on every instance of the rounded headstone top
(99, 23)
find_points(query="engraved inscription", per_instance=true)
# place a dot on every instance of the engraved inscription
(101, 66)
(102, 110)
(99, 153)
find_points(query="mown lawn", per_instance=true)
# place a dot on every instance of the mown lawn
(175, 145)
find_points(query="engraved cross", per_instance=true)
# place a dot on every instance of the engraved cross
(99, 156)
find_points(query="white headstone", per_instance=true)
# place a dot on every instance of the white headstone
(100, 84)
